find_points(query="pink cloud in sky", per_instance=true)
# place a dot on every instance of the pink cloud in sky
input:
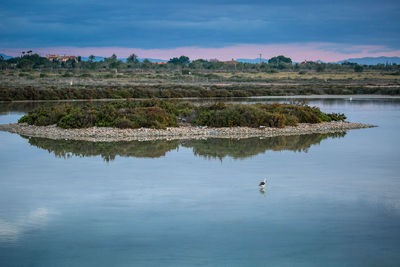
(327, 52)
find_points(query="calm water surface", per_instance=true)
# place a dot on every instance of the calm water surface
(330, 200)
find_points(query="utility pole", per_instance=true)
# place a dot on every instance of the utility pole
(260, 58)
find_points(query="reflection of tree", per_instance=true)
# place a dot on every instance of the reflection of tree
(243, 148)
(25, 107)
(16, 107)
(107, 150)
(210, 148)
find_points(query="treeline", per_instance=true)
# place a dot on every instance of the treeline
(161, 114)
(182, 91)
(31, 61)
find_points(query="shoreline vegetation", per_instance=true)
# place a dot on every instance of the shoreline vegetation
(31, 77)
(159, 114)
(167, 91)
(156, 119)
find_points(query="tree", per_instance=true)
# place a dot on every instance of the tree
(320, 67)
(197, 64)
(113, 58)
(112, 62)
(358, 68)
(91, 58)
(25, 64)
(147, 64)
(279, 59)
(132, 59)
(70, 63)
(182, 60)
(174, 60)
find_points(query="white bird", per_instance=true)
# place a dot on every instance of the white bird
(262, 184)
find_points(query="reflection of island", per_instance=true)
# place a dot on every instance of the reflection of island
(107, 150)
(209, 148)
(243, 148)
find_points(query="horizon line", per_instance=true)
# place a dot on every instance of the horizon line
(298, 52)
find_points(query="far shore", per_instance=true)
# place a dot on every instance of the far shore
(105, 134)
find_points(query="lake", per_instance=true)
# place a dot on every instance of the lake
(330, 200)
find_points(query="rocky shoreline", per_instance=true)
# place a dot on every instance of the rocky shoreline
(104, 134)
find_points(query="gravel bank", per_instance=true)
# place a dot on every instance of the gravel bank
(104, 134)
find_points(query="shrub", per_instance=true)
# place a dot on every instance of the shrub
(152, 117)
(161, 114)
(124, 123)
(69, 121)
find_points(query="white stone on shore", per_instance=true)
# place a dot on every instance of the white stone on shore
(105, 134)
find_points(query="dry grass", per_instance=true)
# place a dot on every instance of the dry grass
(62, 78)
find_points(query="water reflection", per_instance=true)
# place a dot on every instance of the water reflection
(215, 148)
(10, 231)
(262, 191)
(25, 107)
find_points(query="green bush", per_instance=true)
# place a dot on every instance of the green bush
(45, 116)
(161, 114)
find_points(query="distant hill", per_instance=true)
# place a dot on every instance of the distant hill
(361, 61)
(372, 60)
(96, 59)
(153, 60)
(5, 56)
(252, 61)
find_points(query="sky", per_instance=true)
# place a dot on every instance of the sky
(303, 30)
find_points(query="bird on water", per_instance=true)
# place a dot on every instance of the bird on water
(262, 184)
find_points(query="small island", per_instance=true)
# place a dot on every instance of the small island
(157, 119)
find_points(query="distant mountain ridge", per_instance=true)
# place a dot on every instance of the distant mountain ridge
(252, 61)
(5, 56)
(372, 60)
(96, 59)
(360, 61)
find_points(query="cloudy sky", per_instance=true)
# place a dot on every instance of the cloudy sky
(327, 30)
